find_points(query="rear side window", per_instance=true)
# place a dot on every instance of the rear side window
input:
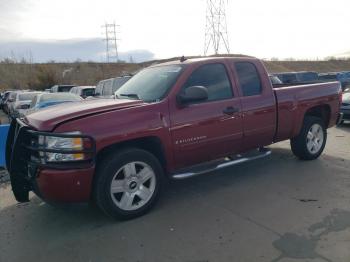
(249, 78)
(214, 78)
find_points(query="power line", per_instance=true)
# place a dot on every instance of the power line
(216, 27)
(111, 39)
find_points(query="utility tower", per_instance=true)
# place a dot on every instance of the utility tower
(216, 36)
(110, 33)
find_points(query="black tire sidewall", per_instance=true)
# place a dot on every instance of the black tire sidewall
(299, 143)
(108, 169)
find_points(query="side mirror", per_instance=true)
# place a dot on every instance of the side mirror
(193, 94)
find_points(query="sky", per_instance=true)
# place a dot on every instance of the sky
(66, 30)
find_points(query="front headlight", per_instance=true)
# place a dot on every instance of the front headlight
(62, 144)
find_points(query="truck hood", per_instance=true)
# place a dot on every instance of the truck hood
(48, 118)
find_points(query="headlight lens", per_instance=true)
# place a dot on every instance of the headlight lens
(62, 144)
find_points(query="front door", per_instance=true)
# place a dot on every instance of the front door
(210, 129)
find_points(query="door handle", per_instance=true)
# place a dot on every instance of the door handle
(230, 110)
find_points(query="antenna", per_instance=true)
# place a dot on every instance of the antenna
(111, 42)
(216, 27)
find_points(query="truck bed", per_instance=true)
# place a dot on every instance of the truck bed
(292, 102)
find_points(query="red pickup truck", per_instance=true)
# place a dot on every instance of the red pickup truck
(177, 120)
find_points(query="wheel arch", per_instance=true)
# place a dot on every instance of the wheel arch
(150, 144)
(320, 111)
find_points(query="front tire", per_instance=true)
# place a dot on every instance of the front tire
(310, 142)
(128, 183)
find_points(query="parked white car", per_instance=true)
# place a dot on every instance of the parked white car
(20, 103)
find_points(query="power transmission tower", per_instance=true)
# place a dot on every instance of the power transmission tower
(216, 27)
(111, 42)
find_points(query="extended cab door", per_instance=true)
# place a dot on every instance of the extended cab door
(210, 129)
(258, 103)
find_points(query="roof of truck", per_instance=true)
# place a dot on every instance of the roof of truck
(201, 59)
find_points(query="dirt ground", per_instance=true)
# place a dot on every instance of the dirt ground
(274, 209)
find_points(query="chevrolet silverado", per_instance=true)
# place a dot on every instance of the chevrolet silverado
(172, 120)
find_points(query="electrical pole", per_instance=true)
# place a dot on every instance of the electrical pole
(216, 27)
(110, 31)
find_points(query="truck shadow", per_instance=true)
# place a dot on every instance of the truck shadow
(48, 223)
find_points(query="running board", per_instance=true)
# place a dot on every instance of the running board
(222, 163)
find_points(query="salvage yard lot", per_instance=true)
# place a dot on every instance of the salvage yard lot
(275, 209)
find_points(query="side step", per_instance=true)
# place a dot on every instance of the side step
(221, 163)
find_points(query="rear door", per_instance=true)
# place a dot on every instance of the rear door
(258, 104)
(207, 130)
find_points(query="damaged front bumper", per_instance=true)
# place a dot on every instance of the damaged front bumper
(55, 182)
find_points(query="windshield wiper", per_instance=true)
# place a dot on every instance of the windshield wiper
(135, 96)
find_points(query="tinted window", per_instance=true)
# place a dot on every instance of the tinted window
(88, 92)
(107, 88)
(214, 78)
(248, 78)
(64, 88)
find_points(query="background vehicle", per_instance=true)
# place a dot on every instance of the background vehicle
(307, 77)
(61, 88)
(83, 91)
(275, 80)
(44, 100)
(9, 102)
(3, 99)
(21, 103)
(177, 119)
(298, 77)
(341, 77)
(107, 88)
(345, 108)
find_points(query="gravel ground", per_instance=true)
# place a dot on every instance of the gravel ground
(278, 209)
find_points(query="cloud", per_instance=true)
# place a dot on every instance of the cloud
(10, 16)
(92, 49)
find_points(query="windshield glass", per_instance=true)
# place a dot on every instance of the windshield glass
(60, 97)
(151, 84)
(26, 96)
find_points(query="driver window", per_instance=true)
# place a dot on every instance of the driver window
(214, 78)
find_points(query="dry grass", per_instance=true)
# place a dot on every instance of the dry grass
(41, 76)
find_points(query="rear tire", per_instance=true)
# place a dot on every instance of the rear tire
(310, 142)
(128, 183)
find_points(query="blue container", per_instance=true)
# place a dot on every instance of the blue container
(4, 129)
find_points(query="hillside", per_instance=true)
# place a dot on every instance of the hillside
(41, 76)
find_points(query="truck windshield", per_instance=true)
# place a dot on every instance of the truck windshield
(151, 84)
